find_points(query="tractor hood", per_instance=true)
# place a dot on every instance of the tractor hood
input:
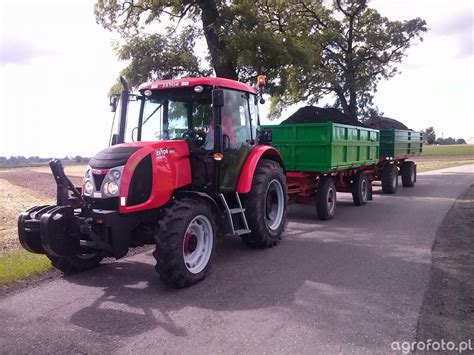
(148, 173)
(111, 157)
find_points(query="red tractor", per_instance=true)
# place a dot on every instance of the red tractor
(190, 166)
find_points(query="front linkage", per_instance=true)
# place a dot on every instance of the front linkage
(73, 228)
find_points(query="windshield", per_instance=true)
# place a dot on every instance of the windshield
(169, 114)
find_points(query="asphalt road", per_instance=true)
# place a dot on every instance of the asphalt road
(355, 283)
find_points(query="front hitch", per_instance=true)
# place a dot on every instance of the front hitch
(49, 229)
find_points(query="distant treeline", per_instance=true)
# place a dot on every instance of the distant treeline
(20, 160)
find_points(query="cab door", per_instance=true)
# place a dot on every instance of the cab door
(237, 135)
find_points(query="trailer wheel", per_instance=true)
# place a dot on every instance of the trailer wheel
(360, 189)
(266, 205)
(408, 170)
(74, 264)
(390, 179)
(326, 199)
(185, 242)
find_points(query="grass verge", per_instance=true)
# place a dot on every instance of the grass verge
(422, 166)
(448, 150)
(16, 265)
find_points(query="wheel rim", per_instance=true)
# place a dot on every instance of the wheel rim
(274, 205)
(364, 189)
(331, 200)
(197, 244)
(412, 175)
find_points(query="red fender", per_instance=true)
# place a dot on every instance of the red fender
(246, 174)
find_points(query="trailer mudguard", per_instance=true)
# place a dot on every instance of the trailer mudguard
(257, 153)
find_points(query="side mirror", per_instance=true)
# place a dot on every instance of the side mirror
(113, 103)
(264, 136)
(114, 139)
(225, 143)
(217, 97)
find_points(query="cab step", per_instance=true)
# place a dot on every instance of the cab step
(237, 211)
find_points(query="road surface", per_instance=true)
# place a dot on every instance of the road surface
(355, 283)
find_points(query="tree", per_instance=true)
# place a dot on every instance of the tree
(351, 48)
(429, 135)
(307, 48)
(461, 141)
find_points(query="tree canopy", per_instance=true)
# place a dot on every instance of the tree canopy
(308, 49)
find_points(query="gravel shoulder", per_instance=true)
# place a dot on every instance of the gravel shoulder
(447, 311)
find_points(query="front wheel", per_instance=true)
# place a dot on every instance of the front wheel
(185, 242)
(390, 179)
(266, 205)
(75, 264)
(326, 199)
(408, 172)
(360, 188)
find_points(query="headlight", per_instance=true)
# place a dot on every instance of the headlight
(111, 188)
(115, 174)
(88, 187)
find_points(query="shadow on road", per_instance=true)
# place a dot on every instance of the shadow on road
(304, 278)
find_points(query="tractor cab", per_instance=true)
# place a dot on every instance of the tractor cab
(217, 118)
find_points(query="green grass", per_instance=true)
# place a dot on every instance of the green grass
(16, 265)
(444, 150)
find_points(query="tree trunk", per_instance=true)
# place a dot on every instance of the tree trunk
(222, 63)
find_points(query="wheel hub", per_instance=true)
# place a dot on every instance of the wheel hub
(190, 243)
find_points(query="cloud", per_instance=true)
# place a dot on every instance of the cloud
(459, 25)
(18, 51)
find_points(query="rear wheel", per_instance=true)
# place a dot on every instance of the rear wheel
(326, 199)
(185, 242)
(408, 171)
(390, 179)
(360, 188)
(74, 264)
(266, 205)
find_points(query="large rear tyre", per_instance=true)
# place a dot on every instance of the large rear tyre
(266, 205)
(390, 179)
(360, 189)
(408, 171)
(326, 199)
(185, 242)
(74, 264)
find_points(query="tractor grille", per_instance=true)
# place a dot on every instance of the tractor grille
(140, 186)
(98, 180)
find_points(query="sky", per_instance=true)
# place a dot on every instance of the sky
(57, 65)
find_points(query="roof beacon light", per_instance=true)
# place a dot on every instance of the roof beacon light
(261, 79)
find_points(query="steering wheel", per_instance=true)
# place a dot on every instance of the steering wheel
(195, 136)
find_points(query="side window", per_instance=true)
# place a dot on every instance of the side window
(253, 106)
(235, 117)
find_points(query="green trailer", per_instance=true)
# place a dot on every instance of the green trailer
(322, 158)
(325, 147)
(399, 144)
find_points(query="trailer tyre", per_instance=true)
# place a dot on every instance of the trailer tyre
(74, 264)
(326, 199)
(390, 179)
(408, 171)
(185, 242)
(360, 189)
(266, 205)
